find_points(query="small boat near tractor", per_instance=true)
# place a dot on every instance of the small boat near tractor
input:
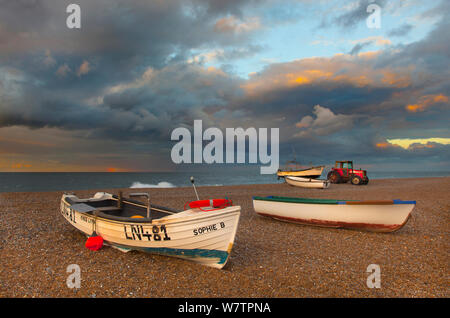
(307, 182)
(204, 232)
(377, 216)
(312, 172)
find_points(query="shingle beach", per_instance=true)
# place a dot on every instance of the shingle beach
(269, 258)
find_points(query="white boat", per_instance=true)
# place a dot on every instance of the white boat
(200, 235)
(312, 172)
(378, 216)
(307, 182)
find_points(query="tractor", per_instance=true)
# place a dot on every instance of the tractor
(343, 172)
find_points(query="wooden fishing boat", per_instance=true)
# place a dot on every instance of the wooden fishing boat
(307, 182)
(378, 216)
(201, 234)
(312, 172)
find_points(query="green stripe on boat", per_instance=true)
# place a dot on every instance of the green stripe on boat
(300, 200)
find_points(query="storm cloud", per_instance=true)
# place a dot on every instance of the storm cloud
(138, 69)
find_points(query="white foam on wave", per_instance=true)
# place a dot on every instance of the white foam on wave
(162, 184)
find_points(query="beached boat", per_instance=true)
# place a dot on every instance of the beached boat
(378, 216)
(312, 172)
(199, 234)
(307, 182)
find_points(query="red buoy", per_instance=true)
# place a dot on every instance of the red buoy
(94, 243)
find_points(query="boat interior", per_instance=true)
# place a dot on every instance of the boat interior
(121, 209)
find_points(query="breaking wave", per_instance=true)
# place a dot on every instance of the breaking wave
(162, 184)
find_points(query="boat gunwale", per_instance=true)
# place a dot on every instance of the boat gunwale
(160, 221)
(330, 201)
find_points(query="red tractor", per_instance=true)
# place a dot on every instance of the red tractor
(343, 172)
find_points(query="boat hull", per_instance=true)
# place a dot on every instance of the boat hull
(203, 237)
(313, 172)
(374, 216)
(307, 182)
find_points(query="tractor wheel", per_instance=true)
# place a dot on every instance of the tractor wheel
(334, 177)
(356, 180)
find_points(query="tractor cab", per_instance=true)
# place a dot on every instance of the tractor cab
(345, 166)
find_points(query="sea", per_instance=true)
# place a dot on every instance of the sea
(68, 181)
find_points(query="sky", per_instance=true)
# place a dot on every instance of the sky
(106, 96)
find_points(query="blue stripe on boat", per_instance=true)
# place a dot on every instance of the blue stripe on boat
(197, 252)
(222, 255)
(397, 201)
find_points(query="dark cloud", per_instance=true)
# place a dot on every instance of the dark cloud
(63, 73)
(354, 13)
(131, 75)
(127, 34)
(359, 46)
(401, 30)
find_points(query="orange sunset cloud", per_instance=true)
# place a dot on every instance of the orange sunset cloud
(382, 145)
(426, 101)
(341, 68)
(20, 166)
